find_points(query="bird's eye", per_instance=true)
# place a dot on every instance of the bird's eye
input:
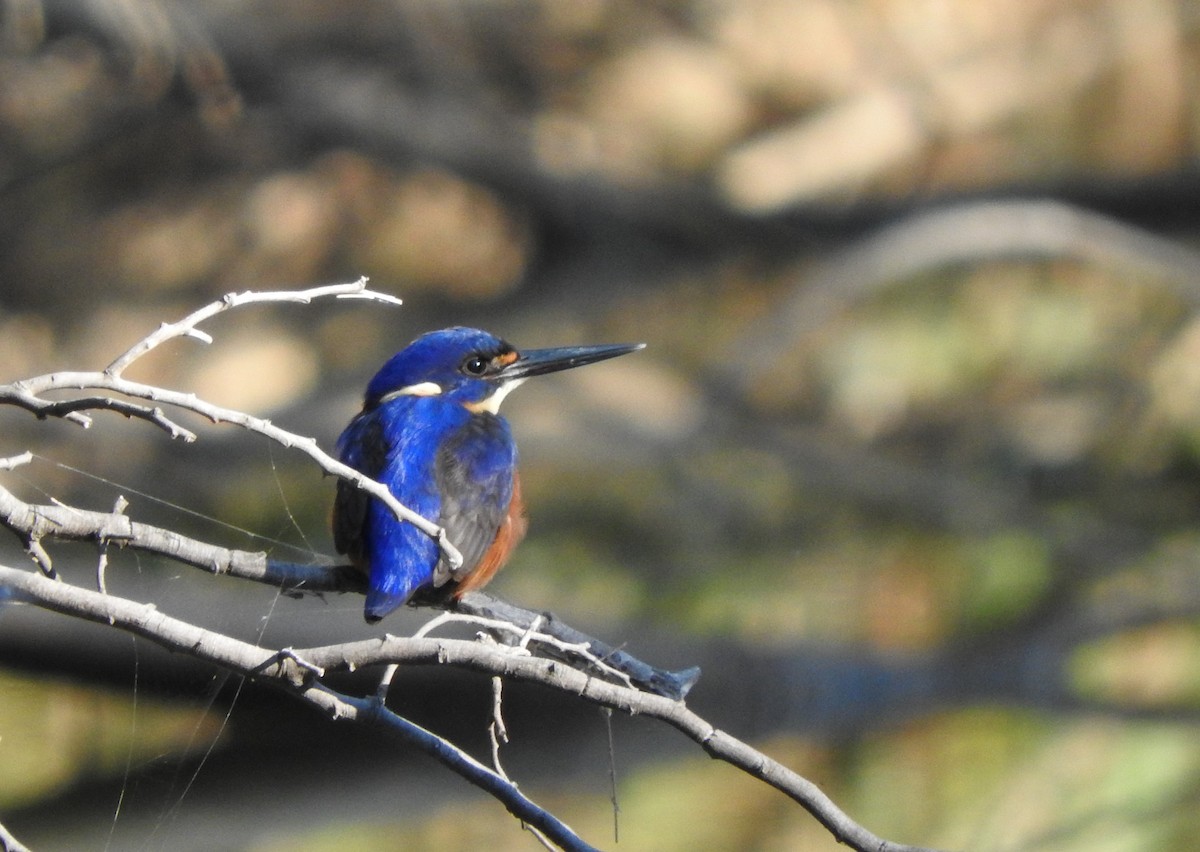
(475, 366)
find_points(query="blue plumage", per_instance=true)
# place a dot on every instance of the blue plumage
(430, 430)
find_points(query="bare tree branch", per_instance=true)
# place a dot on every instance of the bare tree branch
(186, 327)
(373, 714)
(32, 523)
(717, 743)
(969, 232)
(27, 394)
(674, 685)
(281, 669)
(8, 843)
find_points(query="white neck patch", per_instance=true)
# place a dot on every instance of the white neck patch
(419, 389)
(491, 404)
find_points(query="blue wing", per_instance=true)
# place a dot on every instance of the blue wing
(397, 557)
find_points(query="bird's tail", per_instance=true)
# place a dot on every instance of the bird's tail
(382, 601)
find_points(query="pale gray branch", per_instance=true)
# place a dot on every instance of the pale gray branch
(8, 843)
(186, 327)
(499, 661)
(33, 522)
(36, 521)
(282, 669)
(219, 414)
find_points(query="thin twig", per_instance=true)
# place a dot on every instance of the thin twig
(675, 685)
(497, 730)
(119, 507)
(186, 327)
(612, 774)
(527, 634)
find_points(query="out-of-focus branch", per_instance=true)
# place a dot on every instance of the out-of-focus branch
(293, 670)
(971, 232)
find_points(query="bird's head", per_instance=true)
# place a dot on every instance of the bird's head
(474, 368)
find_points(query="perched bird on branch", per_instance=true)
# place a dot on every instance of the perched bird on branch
(430, 430)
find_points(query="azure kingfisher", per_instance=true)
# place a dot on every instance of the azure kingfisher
(430, 430)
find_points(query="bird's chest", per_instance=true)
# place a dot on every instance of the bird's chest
(429, 440)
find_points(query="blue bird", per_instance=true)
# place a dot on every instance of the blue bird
(430, 430)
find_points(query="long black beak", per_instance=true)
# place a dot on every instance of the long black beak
(536, 362)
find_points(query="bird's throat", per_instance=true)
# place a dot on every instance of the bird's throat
(491, 404)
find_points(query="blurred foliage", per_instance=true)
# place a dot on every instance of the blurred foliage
(938, 520)
(1032, 784)
(53, 735)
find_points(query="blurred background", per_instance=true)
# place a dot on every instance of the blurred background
(910, 466)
